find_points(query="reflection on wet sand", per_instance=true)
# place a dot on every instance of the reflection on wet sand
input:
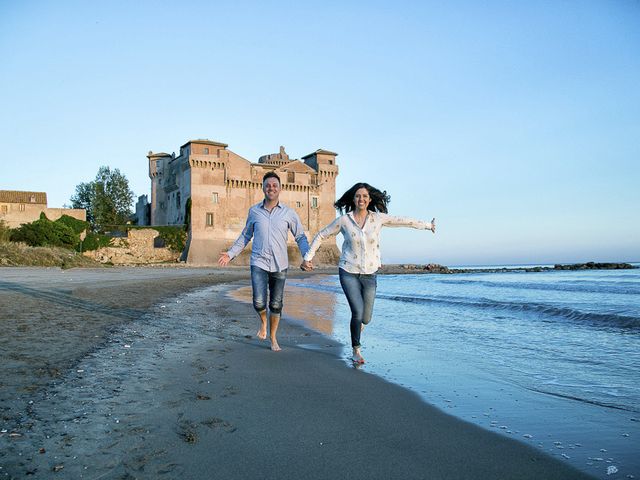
(315, 309)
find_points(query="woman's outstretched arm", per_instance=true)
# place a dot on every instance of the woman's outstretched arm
(332, 229)
(393, 221)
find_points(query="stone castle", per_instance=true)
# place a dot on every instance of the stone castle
(212, 188)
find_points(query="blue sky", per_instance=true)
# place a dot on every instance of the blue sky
(516, 124)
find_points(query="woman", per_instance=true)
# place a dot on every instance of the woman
(365, 210)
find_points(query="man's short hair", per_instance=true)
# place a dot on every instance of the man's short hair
(271, 175)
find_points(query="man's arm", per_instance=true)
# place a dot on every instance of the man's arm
(298, 233)
(241, 242)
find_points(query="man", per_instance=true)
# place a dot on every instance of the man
(269, 223)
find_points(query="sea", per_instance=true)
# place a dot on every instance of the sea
(549, 358)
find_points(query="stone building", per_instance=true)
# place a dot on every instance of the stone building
(17, 207)
(216, 187)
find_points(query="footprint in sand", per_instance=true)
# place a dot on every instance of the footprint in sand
(216, 423)
(230, 390)
(187, 430)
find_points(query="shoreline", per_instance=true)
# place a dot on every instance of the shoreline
(202, 395)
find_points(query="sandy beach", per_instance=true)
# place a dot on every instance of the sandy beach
(120, 373)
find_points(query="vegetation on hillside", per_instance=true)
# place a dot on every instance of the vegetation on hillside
(46, 243)
(17, 254)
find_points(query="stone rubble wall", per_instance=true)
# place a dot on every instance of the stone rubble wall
(136, 249)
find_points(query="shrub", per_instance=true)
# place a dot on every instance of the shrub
(94, 241)
(5, 232)
(45, 233)
(78, 226)
(174, 238)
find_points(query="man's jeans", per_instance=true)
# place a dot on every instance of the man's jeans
(261, 281)
(360, 290)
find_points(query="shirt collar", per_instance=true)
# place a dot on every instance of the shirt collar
(278, 205)
(350, 215)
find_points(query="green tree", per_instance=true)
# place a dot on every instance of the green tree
(107, 199)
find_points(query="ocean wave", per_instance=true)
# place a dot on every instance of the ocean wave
(609, 320)
(596, 319)
(591, 401)
(616, 288)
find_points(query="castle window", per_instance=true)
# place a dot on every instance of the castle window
(162, 205)
(209, 222)
(291, 177)
(330, 162)
(32, 199)
(22, 207)
(314, 202)
(299, 204)
(206, 150)
(214, 197)
(178, 200)
(5, 208)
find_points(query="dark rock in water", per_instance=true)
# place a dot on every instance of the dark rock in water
(594, 266)
(436, 268)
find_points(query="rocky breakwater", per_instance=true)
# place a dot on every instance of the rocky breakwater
(436, 268)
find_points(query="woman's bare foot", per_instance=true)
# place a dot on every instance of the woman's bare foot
(274, 345)
(357, 356)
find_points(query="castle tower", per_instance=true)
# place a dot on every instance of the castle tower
(323, 162)
(158, 163)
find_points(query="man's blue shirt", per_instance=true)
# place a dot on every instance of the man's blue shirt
(269, 231)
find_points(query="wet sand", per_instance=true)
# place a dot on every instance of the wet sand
(156, 373)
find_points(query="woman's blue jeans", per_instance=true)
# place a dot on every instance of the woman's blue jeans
(271, 283)
(360, 290)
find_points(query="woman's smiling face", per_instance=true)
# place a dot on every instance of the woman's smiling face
(361, 199)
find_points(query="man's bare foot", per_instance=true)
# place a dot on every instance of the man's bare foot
(357, 356)
(262, 332)
(274, 320)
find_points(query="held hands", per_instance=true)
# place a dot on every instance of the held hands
(224, 259)
(306, 265)
(433, 225)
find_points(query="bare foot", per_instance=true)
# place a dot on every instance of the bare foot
(357, 357)
(274, 345)
(262, 332)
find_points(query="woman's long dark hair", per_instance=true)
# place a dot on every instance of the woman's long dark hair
(379, 200)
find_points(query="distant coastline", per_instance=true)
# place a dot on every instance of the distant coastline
(442, 269)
